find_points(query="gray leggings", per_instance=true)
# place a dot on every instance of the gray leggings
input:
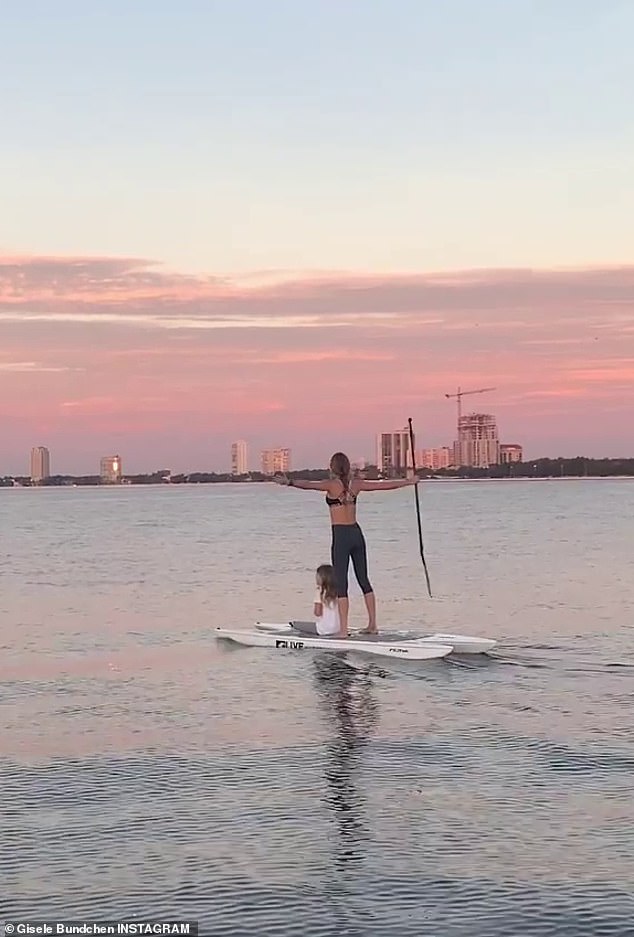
(308, 628)
(348, 543)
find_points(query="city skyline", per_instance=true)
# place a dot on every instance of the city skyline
(343, 236)
(511, 464)
(392, 453)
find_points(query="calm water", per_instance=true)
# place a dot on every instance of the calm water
(146, 771)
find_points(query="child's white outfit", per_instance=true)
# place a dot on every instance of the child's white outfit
(325, 625)
(328, 623)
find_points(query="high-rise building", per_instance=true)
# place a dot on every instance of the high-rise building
(478, 445)
(511, 452)
(40, 464)
(435, 459)
(239, 459)
(276, 461)
(393, 455)
(110, 472)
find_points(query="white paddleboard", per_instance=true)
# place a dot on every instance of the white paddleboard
(293, 641)
(460, 643)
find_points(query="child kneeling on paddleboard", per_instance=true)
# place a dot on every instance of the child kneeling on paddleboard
(326, 607)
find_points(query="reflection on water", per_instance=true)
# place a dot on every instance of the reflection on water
(351, 712)
(146, 772)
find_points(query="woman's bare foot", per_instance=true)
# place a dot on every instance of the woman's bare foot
(370, 604)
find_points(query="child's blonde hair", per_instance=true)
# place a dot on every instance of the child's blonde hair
(326, 582)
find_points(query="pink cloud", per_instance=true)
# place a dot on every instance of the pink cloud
(106, 347)
(611, 374)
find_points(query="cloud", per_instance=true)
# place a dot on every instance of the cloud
(122, 345)
(93, 287)
(28, 367)
(154, 321)
(313, 357)
(611, 374)
(93, 404)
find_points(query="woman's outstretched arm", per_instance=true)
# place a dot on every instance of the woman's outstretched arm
(302, 483)
(388, 485)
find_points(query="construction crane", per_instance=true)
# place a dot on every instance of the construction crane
(463, 393)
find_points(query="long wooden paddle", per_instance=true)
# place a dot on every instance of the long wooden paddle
(420, 530)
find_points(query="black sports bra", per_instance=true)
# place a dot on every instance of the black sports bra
(332, 501)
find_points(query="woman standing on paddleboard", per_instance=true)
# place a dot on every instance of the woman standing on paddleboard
(348, 542)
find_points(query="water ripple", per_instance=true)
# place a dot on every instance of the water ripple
(145, 772)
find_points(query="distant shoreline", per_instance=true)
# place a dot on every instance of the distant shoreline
(232, 482)
(559, 469)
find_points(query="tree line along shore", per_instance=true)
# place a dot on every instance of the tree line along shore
(578, 467)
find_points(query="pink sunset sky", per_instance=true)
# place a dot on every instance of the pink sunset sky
(103, 355)
(301, 223)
